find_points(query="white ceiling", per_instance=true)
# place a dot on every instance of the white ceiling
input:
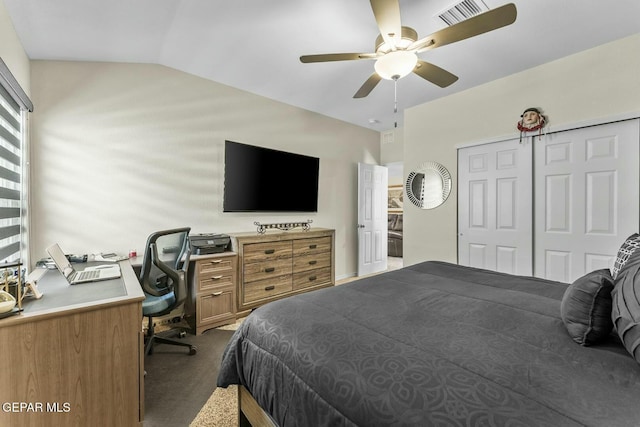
(255, 45)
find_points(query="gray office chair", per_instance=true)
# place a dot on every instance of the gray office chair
(163, 278)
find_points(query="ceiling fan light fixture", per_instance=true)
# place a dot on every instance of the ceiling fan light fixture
(395, 65)
(408, 36)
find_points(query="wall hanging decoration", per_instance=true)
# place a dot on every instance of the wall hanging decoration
(531, 120)
(428, 186)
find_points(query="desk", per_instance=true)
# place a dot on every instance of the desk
(211, 290)
(75, 356)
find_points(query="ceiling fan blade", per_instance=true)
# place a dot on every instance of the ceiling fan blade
(368, 86)
(387, 14)
(328, 57)
(479, 24)
(434, 74)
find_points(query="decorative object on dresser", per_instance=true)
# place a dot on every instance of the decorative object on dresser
(212, 300)
(275, 265)
(284, 226)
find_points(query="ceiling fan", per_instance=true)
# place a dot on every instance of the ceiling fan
(396, 47)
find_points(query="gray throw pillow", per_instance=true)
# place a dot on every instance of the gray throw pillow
(624, 253)
(625, 311)
(586, 307)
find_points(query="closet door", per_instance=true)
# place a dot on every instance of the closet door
(586, 198)
(494, 207)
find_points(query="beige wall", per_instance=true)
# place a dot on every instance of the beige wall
(12, 52)
(598, 83)
(392, 146)
(121, 150)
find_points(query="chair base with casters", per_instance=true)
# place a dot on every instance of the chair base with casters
(152, 339)
(153, 304)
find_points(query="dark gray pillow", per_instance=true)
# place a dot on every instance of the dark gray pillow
(625, 311)
(586, 307)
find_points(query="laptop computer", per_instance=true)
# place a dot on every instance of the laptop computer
(89, 274)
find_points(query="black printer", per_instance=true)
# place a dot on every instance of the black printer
(209, 243)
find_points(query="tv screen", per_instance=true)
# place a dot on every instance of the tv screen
(260, 179)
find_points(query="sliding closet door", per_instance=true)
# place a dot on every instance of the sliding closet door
(586, 198)
(494, 207)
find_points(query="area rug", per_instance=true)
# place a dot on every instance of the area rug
(221, 410)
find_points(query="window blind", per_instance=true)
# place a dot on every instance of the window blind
(10, 177)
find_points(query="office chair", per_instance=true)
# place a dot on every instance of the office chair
(163, 278)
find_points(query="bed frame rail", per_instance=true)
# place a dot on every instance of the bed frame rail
(250, 414)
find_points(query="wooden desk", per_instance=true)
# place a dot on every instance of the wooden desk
(211, 290)
(75, 356)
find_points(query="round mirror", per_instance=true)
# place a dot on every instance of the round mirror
(428, 186)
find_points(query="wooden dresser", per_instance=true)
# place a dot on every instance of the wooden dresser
(212, 299)
(278, 264)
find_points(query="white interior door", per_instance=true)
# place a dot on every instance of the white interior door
(372, 218)
(586, 198)
(495, 207)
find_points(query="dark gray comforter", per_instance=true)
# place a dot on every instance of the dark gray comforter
(434, 344)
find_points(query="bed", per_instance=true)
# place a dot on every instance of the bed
(433, 344)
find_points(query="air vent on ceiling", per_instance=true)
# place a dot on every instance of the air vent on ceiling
(387, 137)
(463, 10)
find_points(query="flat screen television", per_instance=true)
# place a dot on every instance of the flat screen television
(258, 179)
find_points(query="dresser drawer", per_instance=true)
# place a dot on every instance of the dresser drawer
(269, 251)
(312, 261)
(262, 289)
(215, 279)
(212, 295)
(311, 278)
(311, 246)
(277, 264)
(215, 306)
(266, 269)
(214, 266)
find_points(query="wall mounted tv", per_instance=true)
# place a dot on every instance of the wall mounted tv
(258, 179)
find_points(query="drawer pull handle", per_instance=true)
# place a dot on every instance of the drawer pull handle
(217, 277)
(269, 270)
(269, 251)
(312, 278)
(270, 288)
(217, 294)
(314, 262)
(313, 246)
(216, 261)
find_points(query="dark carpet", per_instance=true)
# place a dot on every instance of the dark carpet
(178, 385)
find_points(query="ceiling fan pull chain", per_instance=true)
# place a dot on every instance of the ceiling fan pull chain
(395, 94)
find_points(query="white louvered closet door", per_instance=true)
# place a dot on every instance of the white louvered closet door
(494, 207)
(586, 198)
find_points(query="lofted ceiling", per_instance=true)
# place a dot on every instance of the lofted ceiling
(255, 45)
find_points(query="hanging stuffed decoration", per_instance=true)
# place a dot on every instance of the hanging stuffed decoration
(531, 120)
